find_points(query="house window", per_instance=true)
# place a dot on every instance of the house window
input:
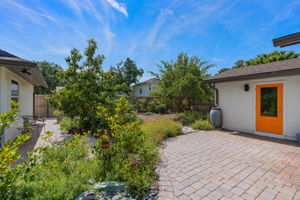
(149, 87)
(268, 102)
(141, 91)
(14, 89)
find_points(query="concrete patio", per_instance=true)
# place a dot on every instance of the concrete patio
(229, 165)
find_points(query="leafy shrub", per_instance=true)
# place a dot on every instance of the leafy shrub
(26, 123)
(202, 125)
(131, 158)
(59, 115)
(60, 171)
(161, 108)
(68, 123)
(86, 85)
(57, 184)
(151, 107)
(9, 154)
(161, 128)
(188, 118)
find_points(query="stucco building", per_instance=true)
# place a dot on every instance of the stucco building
(262, 99)
(17, 80)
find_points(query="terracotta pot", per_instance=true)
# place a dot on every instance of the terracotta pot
(75, 131)
(105, 146)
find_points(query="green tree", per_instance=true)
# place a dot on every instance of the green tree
(86, 86)
(50, 73)
(126, 73)
(272, 57)
(181, 84)
(223, 70)
(264, 58)
(239, 63)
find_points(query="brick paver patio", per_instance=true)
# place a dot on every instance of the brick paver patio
(225, 165)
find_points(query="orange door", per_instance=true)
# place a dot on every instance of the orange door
(269, 108)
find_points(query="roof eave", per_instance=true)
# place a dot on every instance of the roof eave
(290, 72)
(28, 64)
(19, 63)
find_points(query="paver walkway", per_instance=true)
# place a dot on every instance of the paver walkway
(227, 165)
(36, 139)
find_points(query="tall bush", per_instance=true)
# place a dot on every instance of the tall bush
(131, 158)
(180, 85)
(86, 86)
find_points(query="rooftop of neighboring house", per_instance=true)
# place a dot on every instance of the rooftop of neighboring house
(279, 68)
(5, 56)
(152, 81)
(24, 68)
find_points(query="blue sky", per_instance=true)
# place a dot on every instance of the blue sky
(148, 31)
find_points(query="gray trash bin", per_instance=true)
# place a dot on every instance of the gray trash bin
(216, 117)
(298, 138)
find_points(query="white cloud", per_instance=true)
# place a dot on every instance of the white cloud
(56, 51)
(118, 7)
(219, 60)
(23, 8)
(157, 26)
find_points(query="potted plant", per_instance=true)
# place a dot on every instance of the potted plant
(26, 123)
(26, 127)
(105, 142)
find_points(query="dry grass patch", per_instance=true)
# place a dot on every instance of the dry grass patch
(161, 128)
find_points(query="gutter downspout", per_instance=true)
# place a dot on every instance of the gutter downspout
(216, 95)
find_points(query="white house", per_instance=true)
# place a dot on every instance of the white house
(261, 99)
(144, 89)
(17, 79)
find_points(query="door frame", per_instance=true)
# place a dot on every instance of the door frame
(284, 128)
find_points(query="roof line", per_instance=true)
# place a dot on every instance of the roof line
(29, 64)
(12, 62)
(144, 82)
(288, 72)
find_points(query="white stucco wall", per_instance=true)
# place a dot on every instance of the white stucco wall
(145, 90)
(239, 106)
(25, 99)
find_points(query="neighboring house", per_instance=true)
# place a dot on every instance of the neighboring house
(262, 99)
(144, 89)
(17, 79)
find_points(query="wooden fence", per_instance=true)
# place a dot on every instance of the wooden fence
(140, 104)
(41, 107)
(204, 106)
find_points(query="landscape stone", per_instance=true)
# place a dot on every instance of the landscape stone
(109, 186)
